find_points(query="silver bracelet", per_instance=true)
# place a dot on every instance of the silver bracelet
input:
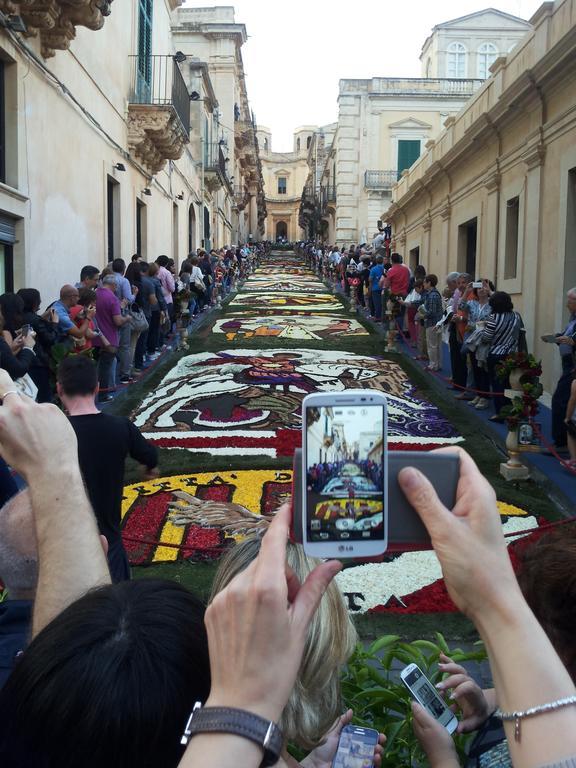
(538, 710)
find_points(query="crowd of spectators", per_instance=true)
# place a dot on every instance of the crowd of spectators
(120, 316)
(464, 314)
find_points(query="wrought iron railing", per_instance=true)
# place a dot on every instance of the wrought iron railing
(215, 160)
(157, 80)
(380, 179)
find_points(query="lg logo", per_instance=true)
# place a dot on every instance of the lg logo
(344, 548)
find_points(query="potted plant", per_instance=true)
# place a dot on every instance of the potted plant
(519, 368)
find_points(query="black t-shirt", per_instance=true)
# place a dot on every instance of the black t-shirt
(104, 441)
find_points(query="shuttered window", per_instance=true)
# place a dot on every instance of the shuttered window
(145, 8)
(408, 153)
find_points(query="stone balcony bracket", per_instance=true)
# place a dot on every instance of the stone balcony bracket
(55, 21)
(155, 134)
(534, 156)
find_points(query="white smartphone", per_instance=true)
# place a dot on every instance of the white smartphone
(426, 695)
(345, 474)
(356, 747)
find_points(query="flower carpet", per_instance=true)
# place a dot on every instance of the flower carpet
(237, 403)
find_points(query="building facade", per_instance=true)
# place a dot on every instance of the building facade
(285, 175)
(468, 46)
(104, 148)
(385, 123)
(495, 194)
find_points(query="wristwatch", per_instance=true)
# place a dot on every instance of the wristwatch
(263, 732)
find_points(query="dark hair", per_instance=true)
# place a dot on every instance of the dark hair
(396, 258)
(501, 302)
(135, 257)
(86, 297)
(162, 261)
(111, 681)
(30, 298)
(144, 267)
(119, 265)
(88, 272)
(186, 268)
(77, 375)
(432, 279)
(12, 307)
(547, 578)
(420, 271)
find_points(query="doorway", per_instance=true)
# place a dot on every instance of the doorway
(281, 231)
(467, 243)
(414, 258)
(191, 228)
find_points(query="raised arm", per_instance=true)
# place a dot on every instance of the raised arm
(526, 669)
(39, 443)
(257, 628)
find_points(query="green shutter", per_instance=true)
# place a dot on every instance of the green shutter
(408, 153)
(144, 49)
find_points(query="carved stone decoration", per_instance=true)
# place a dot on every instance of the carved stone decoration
(55, 21)
(155, 135)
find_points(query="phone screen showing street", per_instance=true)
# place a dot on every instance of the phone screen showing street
(344, 472)
(427, 696)
(355, 750)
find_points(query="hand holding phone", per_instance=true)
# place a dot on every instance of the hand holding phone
(356, 747)
(425, 694)
(344, 475)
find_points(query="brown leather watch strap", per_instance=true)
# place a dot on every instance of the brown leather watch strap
(263, 732)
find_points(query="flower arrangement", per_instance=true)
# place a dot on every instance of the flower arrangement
(530, 367)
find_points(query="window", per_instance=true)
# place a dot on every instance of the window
(113, 217)
(308, 140)
(511, 243)
(281, 185)
(265, 145)
(7, 240)
(456, 63)
(408, 153)
(191, 228)
(487, 55)
(144, 80)
(297, 145)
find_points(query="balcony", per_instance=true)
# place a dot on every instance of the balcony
(158, 111)
(380, 180)
(327, 197)
(215, 172)
(55, 21)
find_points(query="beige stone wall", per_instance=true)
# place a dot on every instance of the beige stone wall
(515, 140)
(62, 151)
(293, 167)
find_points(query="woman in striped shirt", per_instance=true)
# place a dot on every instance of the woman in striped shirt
(501, 332)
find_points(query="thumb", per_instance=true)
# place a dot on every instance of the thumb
(421, 494)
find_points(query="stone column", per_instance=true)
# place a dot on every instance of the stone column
(427, 226)
(445, 214)
(488, 264)
(534, 159)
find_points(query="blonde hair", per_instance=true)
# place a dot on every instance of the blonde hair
(315, 702)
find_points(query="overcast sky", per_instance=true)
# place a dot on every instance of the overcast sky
(298, 50)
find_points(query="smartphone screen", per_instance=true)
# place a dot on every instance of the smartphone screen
(356, 748)
(426, 695)
(345, 473)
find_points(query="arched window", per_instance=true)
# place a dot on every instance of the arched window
(308, 140)
(265, 145)
(487, 55)
(456, 64)
(297, 145)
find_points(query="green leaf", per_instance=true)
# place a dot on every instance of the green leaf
(426, 645)
(442, 643)
(383, 642)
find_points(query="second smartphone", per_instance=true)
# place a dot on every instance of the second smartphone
(345, 477)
